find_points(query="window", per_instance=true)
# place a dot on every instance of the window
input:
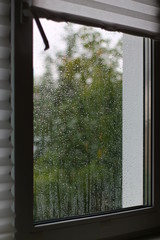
(78, 123)
(97, 226)
(86, 158)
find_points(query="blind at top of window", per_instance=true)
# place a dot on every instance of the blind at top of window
(139, 17)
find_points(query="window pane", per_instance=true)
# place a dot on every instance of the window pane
(88, 122)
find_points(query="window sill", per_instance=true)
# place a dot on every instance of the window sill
(155, 237)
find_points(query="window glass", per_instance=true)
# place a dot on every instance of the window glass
(88, 122)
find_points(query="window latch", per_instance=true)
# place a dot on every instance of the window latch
(43, 35)
(26, 10)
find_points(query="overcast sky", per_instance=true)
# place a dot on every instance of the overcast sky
(54, 32)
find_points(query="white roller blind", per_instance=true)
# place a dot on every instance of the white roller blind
(140, 17)
(6, 161)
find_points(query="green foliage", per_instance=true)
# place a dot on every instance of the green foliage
(78, 129)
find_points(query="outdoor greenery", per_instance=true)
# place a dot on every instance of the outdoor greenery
(78, 128)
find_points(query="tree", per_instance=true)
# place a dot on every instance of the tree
(78, 129)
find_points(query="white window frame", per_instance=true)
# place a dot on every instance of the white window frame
(128, 223)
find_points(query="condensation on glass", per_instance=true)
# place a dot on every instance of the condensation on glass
(88, 122)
